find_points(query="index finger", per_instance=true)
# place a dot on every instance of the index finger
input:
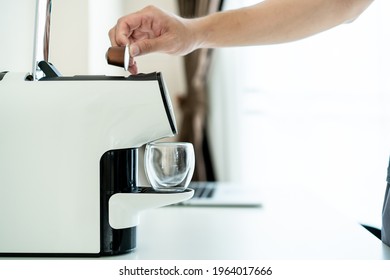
(111, 35)
(120, 34)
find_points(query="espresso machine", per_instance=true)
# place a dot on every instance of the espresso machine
(69, 160)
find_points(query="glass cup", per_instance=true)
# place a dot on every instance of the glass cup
(169, 166)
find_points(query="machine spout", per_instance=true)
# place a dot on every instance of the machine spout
(124, 208)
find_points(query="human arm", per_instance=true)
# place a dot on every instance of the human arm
(274, 21)
(268, 22)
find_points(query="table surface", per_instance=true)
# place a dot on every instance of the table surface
(291, 224)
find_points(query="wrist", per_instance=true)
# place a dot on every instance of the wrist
(198, 33)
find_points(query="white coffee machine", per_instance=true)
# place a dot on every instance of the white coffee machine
(68, 160)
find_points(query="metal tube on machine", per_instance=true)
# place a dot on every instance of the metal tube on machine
(41, 36)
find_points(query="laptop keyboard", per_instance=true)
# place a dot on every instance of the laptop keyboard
(203, 189)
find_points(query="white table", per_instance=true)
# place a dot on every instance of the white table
(291, 225)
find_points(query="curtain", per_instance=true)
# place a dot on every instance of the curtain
(193, 105)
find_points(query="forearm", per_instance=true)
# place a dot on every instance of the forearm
(274, 21)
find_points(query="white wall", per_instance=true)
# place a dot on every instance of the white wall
(17, 19)
(69, 36)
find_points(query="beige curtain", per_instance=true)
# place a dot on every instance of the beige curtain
(193, 104)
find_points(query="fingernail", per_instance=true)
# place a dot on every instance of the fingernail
(134, 50)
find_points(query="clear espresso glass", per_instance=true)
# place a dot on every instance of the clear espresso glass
(169, 166)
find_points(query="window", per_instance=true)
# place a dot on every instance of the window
(313, 113)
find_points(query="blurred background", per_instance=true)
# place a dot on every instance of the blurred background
(313, 113)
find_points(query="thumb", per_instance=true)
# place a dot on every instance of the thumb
(146, 46)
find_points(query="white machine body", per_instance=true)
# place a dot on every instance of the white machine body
(53, 136)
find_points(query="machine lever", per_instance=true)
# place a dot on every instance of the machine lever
(49, 69)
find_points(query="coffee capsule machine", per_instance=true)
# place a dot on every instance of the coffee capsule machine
(69, 160)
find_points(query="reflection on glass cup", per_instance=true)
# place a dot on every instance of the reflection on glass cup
(169, 166)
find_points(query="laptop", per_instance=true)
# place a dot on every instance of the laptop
(223, 194)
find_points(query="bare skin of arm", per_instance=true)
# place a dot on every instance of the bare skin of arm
(268, 22)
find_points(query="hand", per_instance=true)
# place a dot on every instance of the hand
(152, 30)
